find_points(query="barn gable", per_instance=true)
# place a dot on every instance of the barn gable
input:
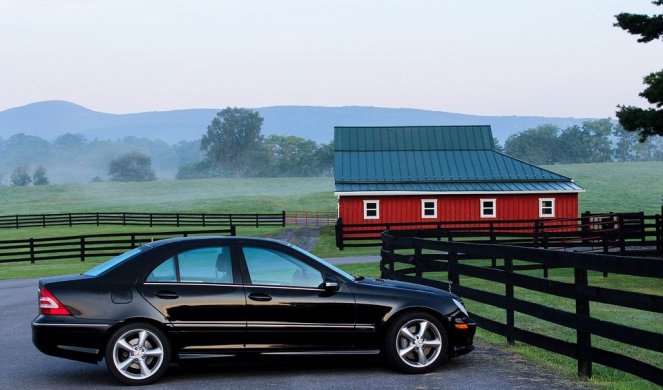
(433, 160)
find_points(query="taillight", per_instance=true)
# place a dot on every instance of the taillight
(49, 304)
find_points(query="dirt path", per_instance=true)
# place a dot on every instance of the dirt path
(304, 237)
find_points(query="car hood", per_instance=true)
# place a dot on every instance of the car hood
(395, 284)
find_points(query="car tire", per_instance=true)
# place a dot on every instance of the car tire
(138, 354)
(416, 343)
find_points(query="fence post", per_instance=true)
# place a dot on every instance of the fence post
(204, 220)
(417, 264)
(257, 224)
(508, 285)
(124, 219)
(283, 218)
(339, 233)
(82, 248)
(17, 222)
(583, 338)
(133, 241)
(622, 233)
(43, 220)
(69, 219)
(32, 250)
(493, 240)
(97, 218)
(233, 230)
(659, 235)
(452, 274)
(177, 219)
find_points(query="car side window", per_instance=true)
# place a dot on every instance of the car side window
(275, 268)
(164, 272)
(201, 265)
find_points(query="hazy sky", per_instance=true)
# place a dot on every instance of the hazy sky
(509, 57)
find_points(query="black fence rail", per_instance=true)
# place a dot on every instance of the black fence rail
(88, 246)
(141, 219)
(311, 218)
(456, 259)
(612, 232)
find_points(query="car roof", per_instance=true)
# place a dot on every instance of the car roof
(230, 239)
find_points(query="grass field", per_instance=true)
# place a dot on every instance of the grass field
(205, 195)
(634, 186)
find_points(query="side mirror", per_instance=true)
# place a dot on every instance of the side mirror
(331, 285)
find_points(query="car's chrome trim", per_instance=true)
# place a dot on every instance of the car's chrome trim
(249, 286)
(204, 355)
(365, 326)
(209, 324)
(234, 285)
(104, 326)
(192, 284)
(342, 352)
(308, 325)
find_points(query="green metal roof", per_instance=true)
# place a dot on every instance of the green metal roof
(433, 158)
(413, 138)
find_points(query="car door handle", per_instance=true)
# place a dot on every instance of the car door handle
(167, 295)
(260, 297)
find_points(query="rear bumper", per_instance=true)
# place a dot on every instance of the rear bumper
(69, 338)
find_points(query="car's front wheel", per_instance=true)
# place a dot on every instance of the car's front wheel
(416, 343)
(138, 354)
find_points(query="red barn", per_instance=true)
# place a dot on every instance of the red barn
(441, 173)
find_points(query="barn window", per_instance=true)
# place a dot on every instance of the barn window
(546, 207)
(488, 208)
(371, 209)
(429, 208)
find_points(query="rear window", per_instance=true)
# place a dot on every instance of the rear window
(105, 266)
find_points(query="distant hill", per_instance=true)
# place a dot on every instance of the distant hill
(49, 119)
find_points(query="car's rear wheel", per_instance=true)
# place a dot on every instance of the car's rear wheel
(138, 354)
(416, 343)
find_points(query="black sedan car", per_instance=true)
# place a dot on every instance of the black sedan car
(209, 297)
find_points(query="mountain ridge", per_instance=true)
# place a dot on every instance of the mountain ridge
(48, 119)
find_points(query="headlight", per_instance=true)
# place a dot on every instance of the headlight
(460, 307)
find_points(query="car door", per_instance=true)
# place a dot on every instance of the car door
(288, 307)
(199, 291)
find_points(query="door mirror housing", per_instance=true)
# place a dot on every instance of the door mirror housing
(331, 285)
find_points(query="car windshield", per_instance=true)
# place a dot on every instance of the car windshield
(105, 266)
(323, 262)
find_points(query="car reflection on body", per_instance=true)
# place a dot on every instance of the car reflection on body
(202, 297)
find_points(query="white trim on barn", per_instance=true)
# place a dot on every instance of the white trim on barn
(368, 211)
(430, 193)
(428, 208)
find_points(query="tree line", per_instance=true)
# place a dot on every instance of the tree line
(235, 147)
(72, 158)
(232, 147)
(592, 142)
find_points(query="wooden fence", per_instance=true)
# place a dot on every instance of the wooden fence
(605, 232)
(88, 246)
(141, 219)
(311, 218)
(455, 258)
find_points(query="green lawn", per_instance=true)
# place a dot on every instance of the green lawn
(632, 186)
(204, 195)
